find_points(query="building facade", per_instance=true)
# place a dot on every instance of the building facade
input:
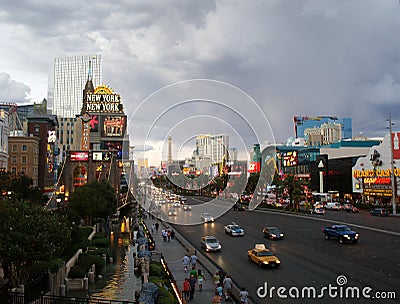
(24, 156)
(213, 147)
(44, 127)
(4, 133)
(69, 77)
(301, 123)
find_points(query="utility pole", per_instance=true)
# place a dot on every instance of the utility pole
(392, 176)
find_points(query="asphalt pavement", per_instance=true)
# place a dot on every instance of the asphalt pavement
(173, 252)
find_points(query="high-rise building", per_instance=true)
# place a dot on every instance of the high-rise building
(69, 79)
(301, 123)
(215, 147)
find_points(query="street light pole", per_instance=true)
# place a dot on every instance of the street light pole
(392, 177)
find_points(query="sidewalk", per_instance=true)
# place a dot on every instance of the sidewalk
(173, 253)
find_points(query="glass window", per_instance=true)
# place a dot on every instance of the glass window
(14, 171)
(24, 149)
(14, 148)
(23, 159)
(13, 159)
(23, 170)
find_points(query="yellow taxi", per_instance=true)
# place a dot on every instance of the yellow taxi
(263, 257)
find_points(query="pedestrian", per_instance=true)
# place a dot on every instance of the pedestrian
(219, 289)
(243, 296)
(216, 279)
(157, 225)
(222, 275)
(200, 279)
(169, 235)
(164, 234)
(185, 262)
(153, 227)
(192, 282)
(193, 260)
(227, 283)
(186, 289)
(172, 235)
(217, 299)
(193, 272)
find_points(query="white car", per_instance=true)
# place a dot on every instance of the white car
(172, 212)
(234, 230)
(207, 218)
(186, 207)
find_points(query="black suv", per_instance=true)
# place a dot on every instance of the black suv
(238, 207)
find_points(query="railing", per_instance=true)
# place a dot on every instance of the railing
(19, 298)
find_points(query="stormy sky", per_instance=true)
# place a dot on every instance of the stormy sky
(281, 57)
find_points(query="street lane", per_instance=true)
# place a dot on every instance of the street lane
(307, 258)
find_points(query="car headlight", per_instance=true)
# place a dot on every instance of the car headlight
(346, 236)
(356, 235)
(273, 235)
(266, 262)
(278, 262)
(281, 234)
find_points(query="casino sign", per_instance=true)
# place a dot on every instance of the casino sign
(103, 100)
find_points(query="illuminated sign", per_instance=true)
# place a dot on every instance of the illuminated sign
(290, 159)
(79, 156)
(375, 173)
(85, 132)
(103, 100)
(113, 126)
(51, 136)
(97, 155)
(254, 167)
(396, 145)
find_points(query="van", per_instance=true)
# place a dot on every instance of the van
(333, 206)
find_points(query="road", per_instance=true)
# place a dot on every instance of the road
(308, 260)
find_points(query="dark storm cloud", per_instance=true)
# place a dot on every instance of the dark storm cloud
(306, 57)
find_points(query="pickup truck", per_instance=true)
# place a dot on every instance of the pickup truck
(342, 232)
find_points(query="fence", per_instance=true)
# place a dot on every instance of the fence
(18, 298)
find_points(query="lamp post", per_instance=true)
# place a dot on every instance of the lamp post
(321, 176)
(392, 176)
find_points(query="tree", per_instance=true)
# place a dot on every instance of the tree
(29, 237)
(94, 200)
(292, 186)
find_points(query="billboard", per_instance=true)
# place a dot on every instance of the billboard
(254, 167)
(79, 156)
(113, 126)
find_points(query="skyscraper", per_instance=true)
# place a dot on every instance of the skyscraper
(69, 79)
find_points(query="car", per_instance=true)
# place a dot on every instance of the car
(238, 207)
(234, 230)
(318, 211)
(350, 208)
(272, 233)
(342, 232)
(176, 205)
(379, 212)
(187, 208)
(333, 206)
(172, 212)
(263, 257)
(210, 243)
(207, 218)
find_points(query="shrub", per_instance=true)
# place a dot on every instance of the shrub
(157, 270)
(100, 242)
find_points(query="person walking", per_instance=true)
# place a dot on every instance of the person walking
(185, 262)
(157, 225)
(193, 260)
(243, 296)
(164, 234)
(216, 279)
(186, 289)
(227, 284)
(200, 279)
(192, 282)
(172, 235)
(217, 299)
